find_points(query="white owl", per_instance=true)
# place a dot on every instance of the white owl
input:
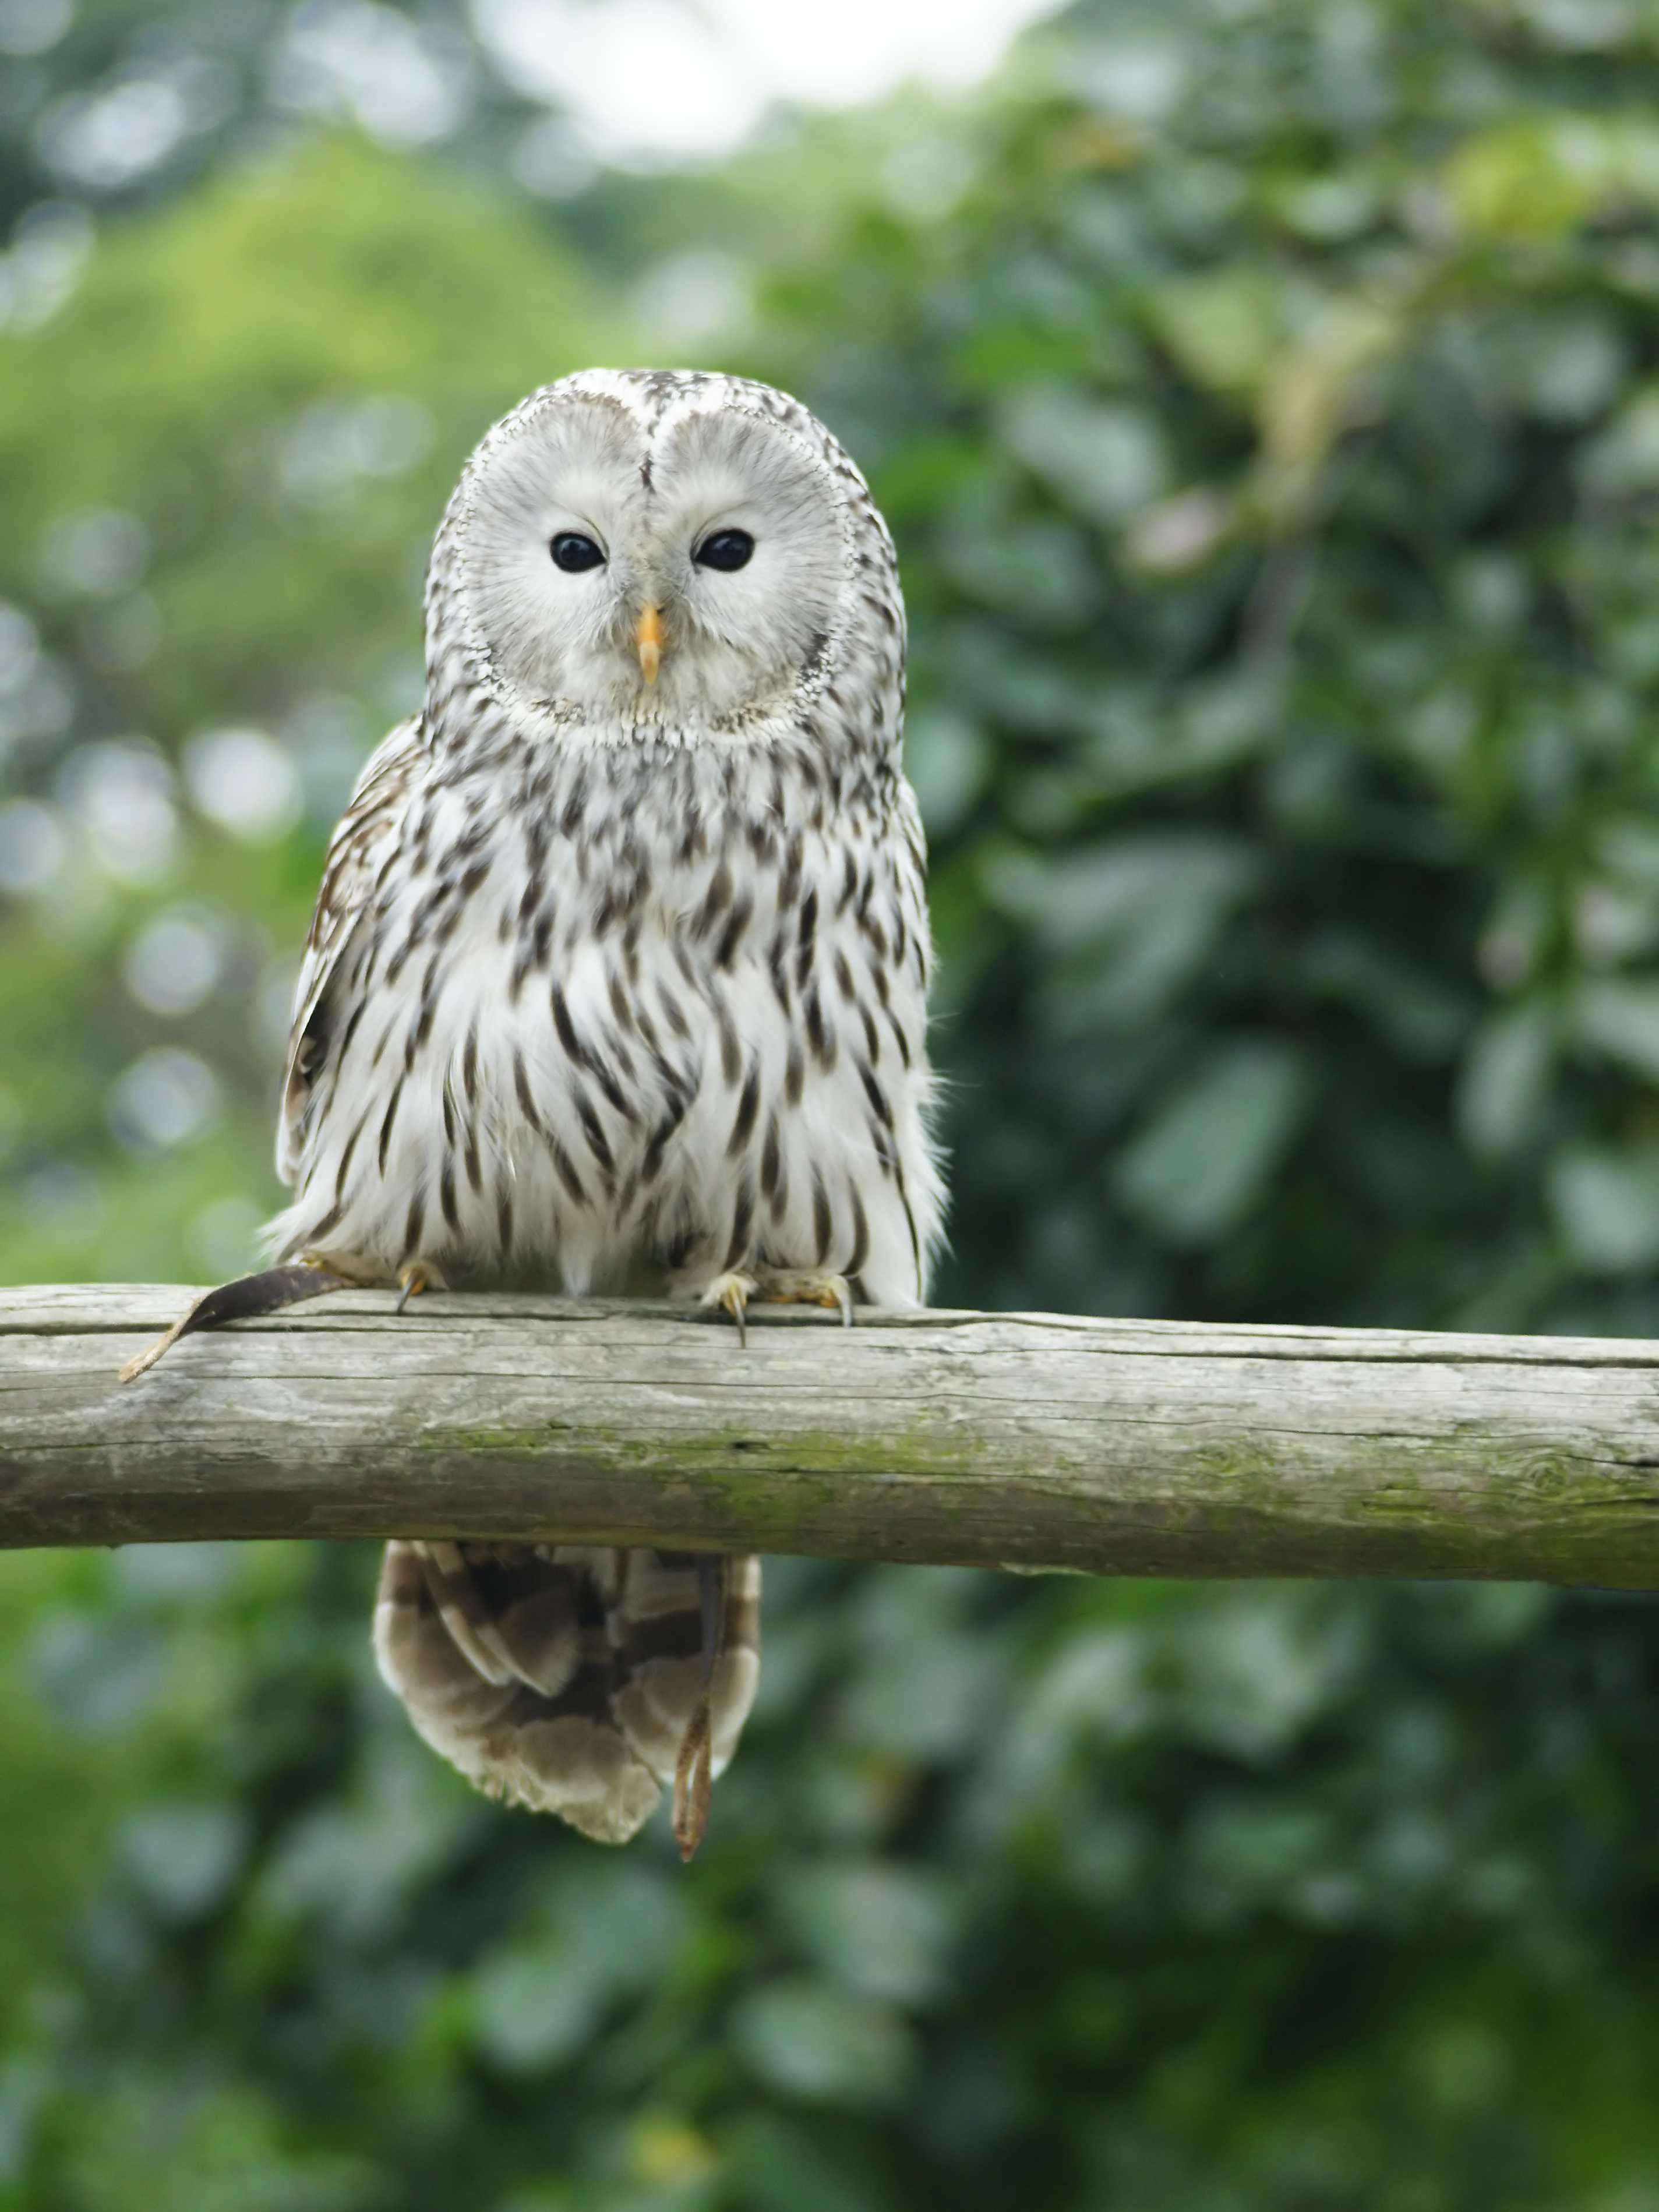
(621, 957)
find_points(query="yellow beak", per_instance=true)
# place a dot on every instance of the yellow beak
(647, 636)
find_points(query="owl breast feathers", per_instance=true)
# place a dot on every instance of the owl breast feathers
(621, 962)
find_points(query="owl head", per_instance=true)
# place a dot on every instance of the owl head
(651, 551)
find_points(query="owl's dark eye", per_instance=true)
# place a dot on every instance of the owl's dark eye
(726, 550)
(574, 554)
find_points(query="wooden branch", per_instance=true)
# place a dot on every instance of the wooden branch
(1140, 1448)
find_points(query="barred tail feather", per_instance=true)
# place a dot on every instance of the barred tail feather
(565, 1678)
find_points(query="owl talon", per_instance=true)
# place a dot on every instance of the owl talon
(418, 1276)
(805, 1287)
(732, 1291)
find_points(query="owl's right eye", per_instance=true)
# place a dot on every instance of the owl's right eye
(575, 554)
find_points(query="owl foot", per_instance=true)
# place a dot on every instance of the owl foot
(416, 1276)
(806, 1286)
(268, 1291)
(732, 1290)
(782, 1286)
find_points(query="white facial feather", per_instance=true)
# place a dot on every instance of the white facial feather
(737, 645)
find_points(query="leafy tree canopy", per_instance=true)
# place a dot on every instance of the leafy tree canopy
(1266, 401)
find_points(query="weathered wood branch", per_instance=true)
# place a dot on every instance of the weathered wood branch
(1031, 1440)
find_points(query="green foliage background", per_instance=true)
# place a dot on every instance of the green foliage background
(1266, 400)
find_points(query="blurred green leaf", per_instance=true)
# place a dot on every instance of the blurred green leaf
(1202, 1161)
(808, 2040)
(1607, 1206)
(540, 1998)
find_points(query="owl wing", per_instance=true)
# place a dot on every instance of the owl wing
(368, 835)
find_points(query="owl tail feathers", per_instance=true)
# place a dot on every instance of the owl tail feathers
(571, 1680)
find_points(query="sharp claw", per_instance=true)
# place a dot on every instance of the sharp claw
(415, 1278)
(833, 1292)
(730, 1292)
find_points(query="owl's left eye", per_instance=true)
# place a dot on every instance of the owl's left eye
(574, 554)
(726, 550)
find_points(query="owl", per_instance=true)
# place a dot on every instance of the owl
(619, 970)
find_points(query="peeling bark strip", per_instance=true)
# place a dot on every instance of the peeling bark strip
(1133, 1447)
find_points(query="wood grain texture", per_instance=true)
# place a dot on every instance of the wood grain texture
(1030, 1440)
